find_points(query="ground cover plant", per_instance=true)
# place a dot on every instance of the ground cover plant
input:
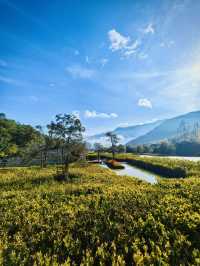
(98, 218)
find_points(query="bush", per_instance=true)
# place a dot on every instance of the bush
(114, 164)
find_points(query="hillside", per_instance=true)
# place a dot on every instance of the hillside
(126, 133)
(167, 129)
(14, 136)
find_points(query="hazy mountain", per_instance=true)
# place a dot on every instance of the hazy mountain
(126, 133)
(167, 129)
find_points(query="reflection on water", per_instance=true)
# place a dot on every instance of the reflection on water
(136, 172)
(195, 159)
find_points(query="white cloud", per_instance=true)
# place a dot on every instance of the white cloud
(117, 40)
(149, 29)
(167, 44)
(78, 71)
(129, 52)
(11, 81)
(125, 124)
(103, 140)
(76, 113)
(94, 114)
(133, 46)
(122, 43)
(143, 102)
(104, 61)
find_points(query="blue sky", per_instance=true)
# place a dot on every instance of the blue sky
(111, 62)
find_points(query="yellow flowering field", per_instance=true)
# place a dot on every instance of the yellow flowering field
(97, 218)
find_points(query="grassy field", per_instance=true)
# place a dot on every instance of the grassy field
(97, 219)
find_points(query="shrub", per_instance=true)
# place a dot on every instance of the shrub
(114, 164)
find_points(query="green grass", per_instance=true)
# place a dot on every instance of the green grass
(99, 218)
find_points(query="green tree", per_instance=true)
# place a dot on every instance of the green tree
(46, 144)
(114, 141)
(98, 147)
(121, 148)
(14, 137)
(67, 130)
(8, 148)
(140, 149)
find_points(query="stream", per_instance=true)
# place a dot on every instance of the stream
(130, 170)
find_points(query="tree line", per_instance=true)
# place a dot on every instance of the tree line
(63, 137)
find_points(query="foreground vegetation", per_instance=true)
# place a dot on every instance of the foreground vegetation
(98, 218)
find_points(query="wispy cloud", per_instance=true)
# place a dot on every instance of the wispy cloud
(76, 113)
(103, 61)
(10, 81)
(143, 102)
(33, 99)
(167, 44)
(132, 49)
(78, 71)
(124, 124)
(149, 29)
(119, 42)
(94, 114)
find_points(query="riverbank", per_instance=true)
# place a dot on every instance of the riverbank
(160, 166)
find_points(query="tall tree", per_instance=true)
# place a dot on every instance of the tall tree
(67, 130)
(98, 148)
(114, 141)
(46, 144)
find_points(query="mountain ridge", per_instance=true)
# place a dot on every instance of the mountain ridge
(167, 129)
(126, 133)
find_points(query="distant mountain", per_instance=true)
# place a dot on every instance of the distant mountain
(126, 133)
(167, 129)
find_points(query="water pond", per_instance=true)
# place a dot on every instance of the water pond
(135, 172)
